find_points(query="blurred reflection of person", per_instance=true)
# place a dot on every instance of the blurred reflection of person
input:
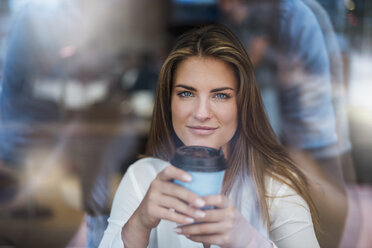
(300, 77)
(295, 48)
(50, 42)
(290, 47)
(207, 96)
(335, 52)
(20, 110)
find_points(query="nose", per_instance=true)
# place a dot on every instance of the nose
(202, 110)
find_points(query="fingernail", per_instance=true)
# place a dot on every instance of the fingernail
(186, 177)
(189, 220)
(200, 214)
(177, 230)
(199, 203)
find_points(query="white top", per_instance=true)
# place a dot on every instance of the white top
(290, 218)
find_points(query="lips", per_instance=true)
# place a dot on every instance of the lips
(202, 130)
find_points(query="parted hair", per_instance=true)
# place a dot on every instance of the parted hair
(254, 151)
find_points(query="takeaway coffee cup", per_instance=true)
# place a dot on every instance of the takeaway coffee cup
(206, 166)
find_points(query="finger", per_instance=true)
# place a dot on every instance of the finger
(202, 228)
(219, 201)
(180, 207)
(215, 215)
(171, 173)
(175, 190)
(168, 214)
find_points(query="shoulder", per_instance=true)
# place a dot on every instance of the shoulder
(286, 206)
(278, 191)
(290, 216)
(148, 166)
(140, 174)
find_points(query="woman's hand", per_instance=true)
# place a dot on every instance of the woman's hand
(223, 226)
(169, 201)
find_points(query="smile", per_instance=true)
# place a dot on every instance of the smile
(202, 130)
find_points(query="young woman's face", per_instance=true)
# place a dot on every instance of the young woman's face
(204, 108)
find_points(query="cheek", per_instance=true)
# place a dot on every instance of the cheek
(179, 121)
(179, 115)
(228, 114)
(230, 119)
(181, 110)
(232, 122)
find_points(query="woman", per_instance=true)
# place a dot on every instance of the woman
(207, 96)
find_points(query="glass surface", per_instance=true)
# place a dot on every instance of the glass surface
(78, 80)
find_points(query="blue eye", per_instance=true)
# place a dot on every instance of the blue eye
(185, 94)
(222, 96)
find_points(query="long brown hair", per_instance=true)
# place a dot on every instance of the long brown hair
(254, 149)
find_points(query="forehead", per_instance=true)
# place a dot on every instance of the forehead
(208, 71)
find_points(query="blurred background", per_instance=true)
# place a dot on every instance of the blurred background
(78, 79)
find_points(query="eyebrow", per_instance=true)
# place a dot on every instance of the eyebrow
(212, 91)
(186, 87)
(221, 89)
